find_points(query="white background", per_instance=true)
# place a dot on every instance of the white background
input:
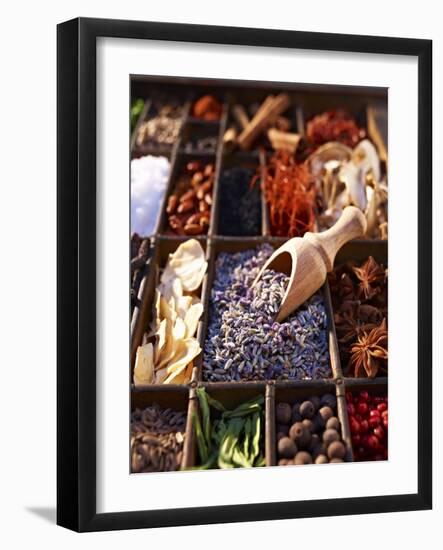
(27, 300)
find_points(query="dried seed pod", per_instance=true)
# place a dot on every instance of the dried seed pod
(172, 204)
(188, 196)
(175, 223)
(197, 178)
(193, 229)
(194, 218)
(185, 207)
(203, 206)
(204, 221)
(203, 189)
(209, 170)
(193, 166)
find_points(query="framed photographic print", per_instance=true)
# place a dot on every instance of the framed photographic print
(230, 203)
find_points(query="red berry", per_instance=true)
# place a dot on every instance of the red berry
(382, 407)
(356, 440)
(362, 408)
(349, 397)
(374, 422)
(364, 426)
(351, 409)
(374, 413)
(354, 425)
(372, 442)
(385, 422)
(378, 457)
(364, 395)
(379, 432)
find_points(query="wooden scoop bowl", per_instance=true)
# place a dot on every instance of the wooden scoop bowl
(307, 260)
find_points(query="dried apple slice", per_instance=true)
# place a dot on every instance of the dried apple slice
(144, 365)
(191, 319)
(188, 264)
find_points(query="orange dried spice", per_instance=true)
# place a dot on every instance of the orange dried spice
(289, 192)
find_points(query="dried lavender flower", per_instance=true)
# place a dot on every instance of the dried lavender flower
(244, 342)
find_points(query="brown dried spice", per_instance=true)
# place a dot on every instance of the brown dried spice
(359, 298)
(370, 354)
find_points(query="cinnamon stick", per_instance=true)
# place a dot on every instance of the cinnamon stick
(271, 108)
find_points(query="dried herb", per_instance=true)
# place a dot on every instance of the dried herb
(334, 126)
(370, 354)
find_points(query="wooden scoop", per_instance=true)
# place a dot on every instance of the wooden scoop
(307, 260)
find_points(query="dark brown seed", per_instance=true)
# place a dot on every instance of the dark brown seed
(307, 409)
(302, 457)
(336, 450)
(300, 435)
(283, 413)
(326, 413)
(329, 436)
(315, 400)
(175, 223)
(286, 448)
(309, 425)
(333, 423)
(283, 428)
(328, 400)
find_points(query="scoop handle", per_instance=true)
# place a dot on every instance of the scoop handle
(350, 225)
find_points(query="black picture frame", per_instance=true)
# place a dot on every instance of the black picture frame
(76, 273)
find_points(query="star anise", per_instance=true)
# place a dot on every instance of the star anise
(369, 354)
(371, 275)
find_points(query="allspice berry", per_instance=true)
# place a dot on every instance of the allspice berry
(321, 459)
(315, 440)
(286, 448)
(328, 400)
(329, 436)
(309, 425)
(302, 457)
(283, 428)
(326, 413)
(300, 435)
(333, 423)
(307, 409)
(315, 400)
(336, 450)
(283, 413)
(333, 460)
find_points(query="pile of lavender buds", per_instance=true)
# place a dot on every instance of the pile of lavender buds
(244, 342)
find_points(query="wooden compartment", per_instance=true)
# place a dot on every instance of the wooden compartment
(359, 251)
(291, 392)
(233, 245)
(175, 398)
(163, 246)
(229, 395)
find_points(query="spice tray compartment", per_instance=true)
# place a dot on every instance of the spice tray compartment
(162, 247)
(176, 399)
(217, 245)
(359, 252)
(151, 110)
